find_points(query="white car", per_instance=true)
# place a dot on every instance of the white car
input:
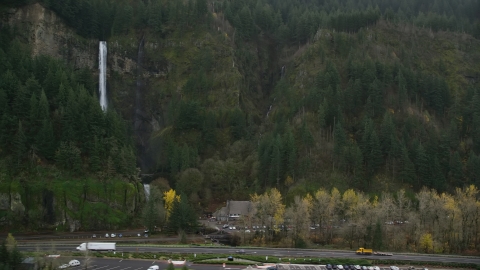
(107, 235)
(394, 268)
(112, 235)
(357, 267)
(74, 263)
(63, 266)
(340, 267)
(376, 268)
(153, 267)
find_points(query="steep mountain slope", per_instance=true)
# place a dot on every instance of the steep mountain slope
(228, 98)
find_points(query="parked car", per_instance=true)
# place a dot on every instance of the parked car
(376, 268)
(364, 267)
(154, 267)
(357, 267)
(94, 236)
(346, 267)
(340, 267)
(120, 235)
(107, 235)
(329, 267)
(394, 268)
(74, 263)
(112, 235)
(63, 266)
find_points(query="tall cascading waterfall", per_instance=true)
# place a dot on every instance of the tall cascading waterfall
(102, 66)
(146, 188)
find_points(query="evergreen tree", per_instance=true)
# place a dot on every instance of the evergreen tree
(387, 131)
(95, 156)
(276, 162)
(456, 169)
(67, 157)
(407, 170)
(182, 217)
(290, 152)
(375, 158)
(438, 179)
(423, 168)
(20, 145)
(340, 144)
(476, 132)
(238, 124)
(185, 157)
(45, 140)
(33, 124)
(473, 168)
(175, 161)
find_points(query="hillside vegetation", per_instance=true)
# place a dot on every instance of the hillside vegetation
(254, 94)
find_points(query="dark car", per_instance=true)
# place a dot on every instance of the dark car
(346, 267)
(329, 267)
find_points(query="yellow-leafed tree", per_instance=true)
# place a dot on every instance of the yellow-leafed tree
(269, 209)
(426, 242)
(169, 197)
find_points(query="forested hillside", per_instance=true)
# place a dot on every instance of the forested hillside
(58, 148)
(254, 94)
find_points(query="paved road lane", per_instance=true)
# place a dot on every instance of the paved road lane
(264, 252)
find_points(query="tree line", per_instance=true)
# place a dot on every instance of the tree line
(298, 21)
(427, 221)
(105, 18)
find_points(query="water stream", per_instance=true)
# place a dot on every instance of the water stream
(102, 66)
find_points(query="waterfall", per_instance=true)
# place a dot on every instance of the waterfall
(102, 66)
(271, 105)
(146, 187)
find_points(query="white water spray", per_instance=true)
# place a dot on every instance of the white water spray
(102, 66)
(146, 187)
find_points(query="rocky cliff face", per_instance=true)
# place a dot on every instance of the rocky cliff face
(48, 35)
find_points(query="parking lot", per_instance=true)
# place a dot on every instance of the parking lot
(119, 264)
(314, 267)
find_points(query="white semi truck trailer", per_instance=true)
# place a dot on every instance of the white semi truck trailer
(96, 246)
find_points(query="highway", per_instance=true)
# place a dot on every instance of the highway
(304, 253)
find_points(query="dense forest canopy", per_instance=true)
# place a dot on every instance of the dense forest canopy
(298, 95)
